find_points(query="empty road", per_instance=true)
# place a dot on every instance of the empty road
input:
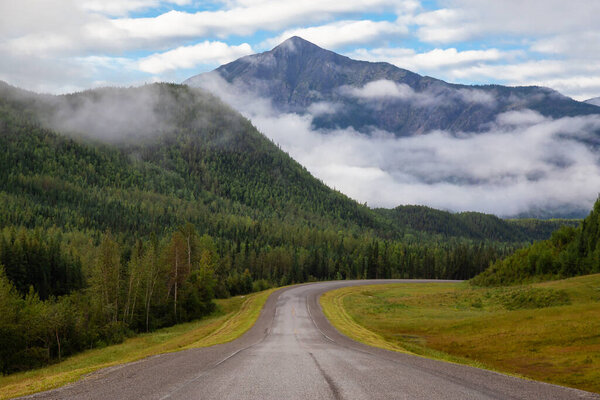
(292, 352)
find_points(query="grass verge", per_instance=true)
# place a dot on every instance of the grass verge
(547, 331)
(234, 317)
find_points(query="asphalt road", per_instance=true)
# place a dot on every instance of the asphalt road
(292, 352)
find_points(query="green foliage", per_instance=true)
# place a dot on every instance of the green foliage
(569, 252)
(119, 298)
(473, 225)
(39, 259)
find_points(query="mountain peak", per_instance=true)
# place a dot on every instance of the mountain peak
(297, 74)
(295, 44)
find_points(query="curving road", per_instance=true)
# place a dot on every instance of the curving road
(292, 352)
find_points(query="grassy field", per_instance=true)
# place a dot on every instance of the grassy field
(234, 317)
(548, 331)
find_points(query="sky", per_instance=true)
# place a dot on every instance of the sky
(61, 46)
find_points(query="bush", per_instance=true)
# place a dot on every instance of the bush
(260, 285)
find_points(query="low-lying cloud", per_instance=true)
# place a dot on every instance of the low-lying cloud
(523, 162)
(386, 89)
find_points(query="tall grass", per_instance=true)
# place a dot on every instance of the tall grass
(546, 331)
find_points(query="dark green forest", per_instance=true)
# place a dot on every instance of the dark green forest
(116, 222)
(569, 252)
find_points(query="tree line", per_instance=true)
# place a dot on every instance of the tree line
(62, 292)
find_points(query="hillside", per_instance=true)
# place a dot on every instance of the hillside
(183, 147)
(569, 252)
(297, 74)
(472, 225)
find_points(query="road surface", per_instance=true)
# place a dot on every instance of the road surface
(292, 352)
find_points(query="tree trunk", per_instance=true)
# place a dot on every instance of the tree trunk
(189, 251)
(176, 279)
(58, 343)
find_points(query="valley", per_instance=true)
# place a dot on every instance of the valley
(292, 221)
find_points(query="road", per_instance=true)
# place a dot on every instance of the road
(292, 352)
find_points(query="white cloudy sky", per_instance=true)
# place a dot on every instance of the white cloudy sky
(65, 45)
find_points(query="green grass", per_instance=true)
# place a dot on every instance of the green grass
(546, 331)
(234, 317)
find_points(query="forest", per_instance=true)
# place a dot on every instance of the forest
(102, 237)
(569, 252)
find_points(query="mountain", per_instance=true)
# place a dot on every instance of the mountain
(593, 101)
(298, 74)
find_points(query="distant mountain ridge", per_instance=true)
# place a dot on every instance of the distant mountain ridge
(593, 101)
(378, 95)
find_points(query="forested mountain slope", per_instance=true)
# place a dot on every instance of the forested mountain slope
(183, 145)
(569, 252)
(473, 225)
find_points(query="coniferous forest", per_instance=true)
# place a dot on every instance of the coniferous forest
(118, 217)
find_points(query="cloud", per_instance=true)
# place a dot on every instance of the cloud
(565, 33)
(68, 27)
(472, 19)
(523, 161)
(111, 115)
(431, 60)
(580, 80)
(521, 117)
(385, 89)
(342, 33)
(192, 56)
(380, 89)
(124, 7)
(240, 19)
(323, 108)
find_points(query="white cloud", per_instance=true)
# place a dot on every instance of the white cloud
(506, 171)
(71, 27)
(432, 61)
(522, 117)
(581, 45)
(385, 89)
(342, 33)
(124, 7)
(470, 19)
(323, 108)
(578, 80)
(239, 20)
(442, 26)
(380, 89)
(192, 56)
